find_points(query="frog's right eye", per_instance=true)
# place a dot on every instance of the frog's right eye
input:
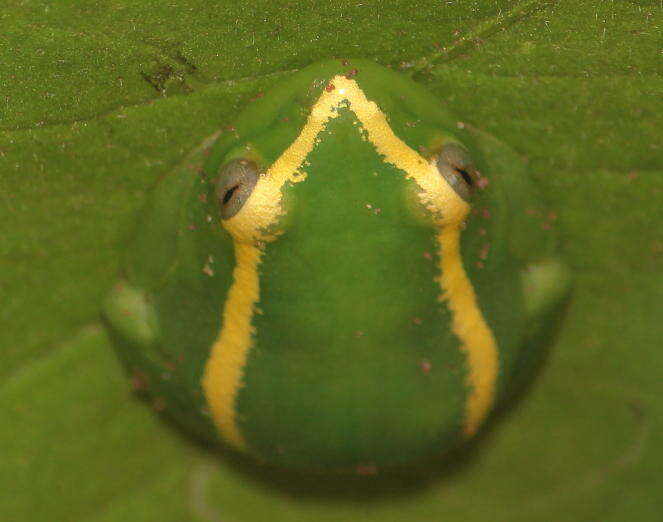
(235, 183)
(455, 165)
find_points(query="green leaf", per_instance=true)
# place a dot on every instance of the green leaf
(99, 99)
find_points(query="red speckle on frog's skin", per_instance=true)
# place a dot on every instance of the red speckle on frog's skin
(351, 73)
(191, 227)
(417, 321)
(482, 183)
(425, 366)
(330, 87)
(139, 382)
(632, 175)
(202, 197)
(366, 469)
(428, 256)
(485, 212)
(483, 254)
(550, 219)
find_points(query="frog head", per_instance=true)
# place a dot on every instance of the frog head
(347, 276)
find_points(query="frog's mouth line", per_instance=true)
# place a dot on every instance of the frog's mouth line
(223, 376)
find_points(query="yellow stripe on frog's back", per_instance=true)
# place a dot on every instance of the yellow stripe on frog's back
(223, 376)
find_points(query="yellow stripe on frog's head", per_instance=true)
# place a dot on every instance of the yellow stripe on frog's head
(254, 226)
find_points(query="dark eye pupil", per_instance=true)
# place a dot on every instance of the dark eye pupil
(236, 181)
(466, 176)
(229, 194)
(455, 165)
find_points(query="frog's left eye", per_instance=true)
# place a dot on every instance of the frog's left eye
(236, 181)
(455, 164)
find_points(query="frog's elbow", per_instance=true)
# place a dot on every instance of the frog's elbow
(545, 285)
(131, 316)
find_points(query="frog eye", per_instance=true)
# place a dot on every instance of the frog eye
(236, 181)
(455, 165)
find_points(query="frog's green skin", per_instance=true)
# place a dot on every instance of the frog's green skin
(355, 311)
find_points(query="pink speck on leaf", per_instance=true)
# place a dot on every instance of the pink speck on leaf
(425, 366)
